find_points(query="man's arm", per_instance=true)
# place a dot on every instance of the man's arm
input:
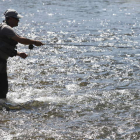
(26, 41)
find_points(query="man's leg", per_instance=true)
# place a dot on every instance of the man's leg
(3, 79)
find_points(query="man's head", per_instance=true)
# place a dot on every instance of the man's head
(12, 17)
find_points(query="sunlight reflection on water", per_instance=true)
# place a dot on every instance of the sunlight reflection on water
(75, 92)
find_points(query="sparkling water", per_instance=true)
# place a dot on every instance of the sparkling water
(69, 92)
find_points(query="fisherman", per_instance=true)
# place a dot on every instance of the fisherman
(8, 41)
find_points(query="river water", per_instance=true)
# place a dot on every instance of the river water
(69, 92)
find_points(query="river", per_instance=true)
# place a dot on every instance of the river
(88, 89)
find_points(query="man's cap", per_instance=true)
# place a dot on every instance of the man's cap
(12, 13)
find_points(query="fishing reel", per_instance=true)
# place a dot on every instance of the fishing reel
(31, 46)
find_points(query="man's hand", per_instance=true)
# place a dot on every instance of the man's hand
(22, 55)
(38, 43)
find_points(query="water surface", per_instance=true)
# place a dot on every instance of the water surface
(75, 92)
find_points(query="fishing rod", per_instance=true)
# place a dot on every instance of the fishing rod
(69, 44)
(31, 46)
